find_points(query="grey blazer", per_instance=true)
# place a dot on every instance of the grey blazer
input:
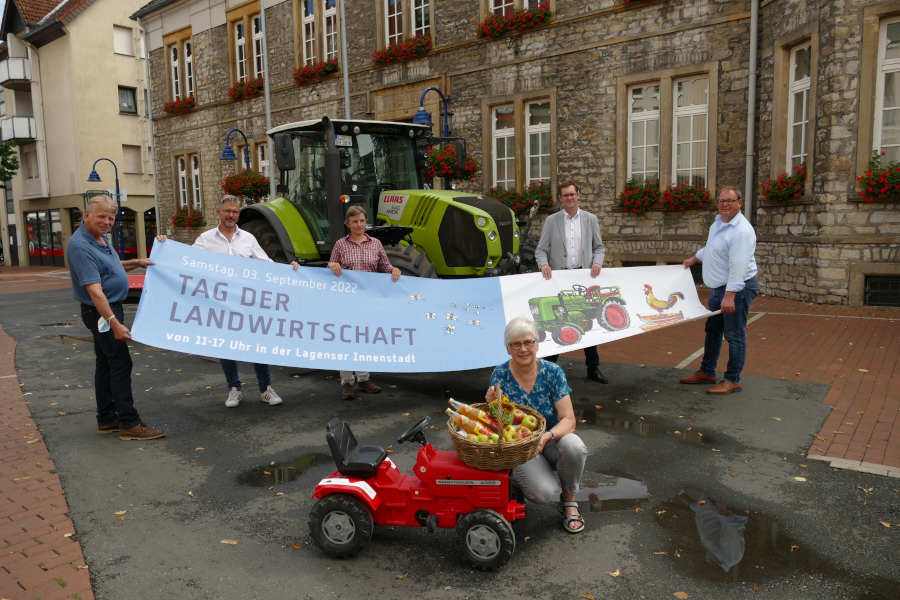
(551, 248)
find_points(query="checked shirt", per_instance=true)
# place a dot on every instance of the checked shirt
(368, 255)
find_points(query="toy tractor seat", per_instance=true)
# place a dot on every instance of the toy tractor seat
(351, 459)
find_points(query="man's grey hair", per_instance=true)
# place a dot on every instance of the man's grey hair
(101, 201)
(518, 327)
(229, 199)
(736, 191)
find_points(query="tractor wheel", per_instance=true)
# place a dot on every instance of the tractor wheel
(587, 324)
(613, 316)
(341, 525)
(410, 261)
(566, 335)
(487, 538)
(268, 240)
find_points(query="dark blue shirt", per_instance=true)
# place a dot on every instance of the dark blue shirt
(550, 386)
(92, 262)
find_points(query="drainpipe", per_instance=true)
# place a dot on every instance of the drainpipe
(751, 111)
(146, 59)
(345, 72)
(270, 145)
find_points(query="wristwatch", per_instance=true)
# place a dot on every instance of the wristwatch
(552, 435)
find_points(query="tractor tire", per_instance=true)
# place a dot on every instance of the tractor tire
(268, 240)
(566, 335)
(410, 261)
(488, 540)
(341, 525)
(587, 324)
(613, 316)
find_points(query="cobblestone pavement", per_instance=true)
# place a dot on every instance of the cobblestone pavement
(852, 350)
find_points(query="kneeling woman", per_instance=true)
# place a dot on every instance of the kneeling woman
(555, 473)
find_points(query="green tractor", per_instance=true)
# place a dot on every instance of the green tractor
(569, 314)
(328, 165)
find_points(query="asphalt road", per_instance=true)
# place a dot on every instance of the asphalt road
(246, 474)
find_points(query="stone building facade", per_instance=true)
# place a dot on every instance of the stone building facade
(604, 91)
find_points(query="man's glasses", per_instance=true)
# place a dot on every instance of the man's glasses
(522, 345)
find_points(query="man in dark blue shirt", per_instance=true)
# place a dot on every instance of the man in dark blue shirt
(100, 284)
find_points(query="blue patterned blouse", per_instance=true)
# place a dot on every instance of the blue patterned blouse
(550, 387)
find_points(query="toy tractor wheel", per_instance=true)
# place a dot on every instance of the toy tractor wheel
(587, 324)
(613, 316)
(341, 525)
(487, 538)
(566, 335)
(268, 240)
(410, 261)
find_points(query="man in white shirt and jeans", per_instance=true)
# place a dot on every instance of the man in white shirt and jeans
(729, 270)
(230, 239)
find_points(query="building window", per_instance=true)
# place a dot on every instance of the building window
(309, 32)
(690, 131)
(180, 60)
(663, 129)
(798, 106)
(29, 162)
(318, 33)
(403, 19)
(331, 33)
(507, 7)
(886, 129)
(131, 156)
(123, 42)
(262, 161)
(421, 17)
(245, 33)
(504, 147)
(127, 100)
(643, 133)
(188, 182)
(537, 130)
(502, 7)
(393, 27)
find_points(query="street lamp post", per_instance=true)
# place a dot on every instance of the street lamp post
(423, 117)
(228, 151)
(94, 178)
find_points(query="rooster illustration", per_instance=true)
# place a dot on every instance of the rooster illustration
(660, 305)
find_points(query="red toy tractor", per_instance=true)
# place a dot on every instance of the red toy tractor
(367, 488)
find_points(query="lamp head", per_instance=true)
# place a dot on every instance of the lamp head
(93, 177)
(422, 117)
(228, 153)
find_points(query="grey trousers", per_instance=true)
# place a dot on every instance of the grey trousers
(559, 467)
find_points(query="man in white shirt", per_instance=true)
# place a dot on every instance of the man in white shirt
(729, 270)
(571, 239)
(228, 238)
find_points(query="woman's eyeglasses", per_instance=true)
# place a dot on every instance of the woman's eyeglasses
(522, 345)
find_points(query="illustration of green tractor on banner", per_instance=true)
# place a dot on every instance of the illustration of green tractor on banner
(569, 314)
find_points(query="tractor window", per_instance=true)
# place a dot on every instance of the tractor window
(306, 184)
(379, 163)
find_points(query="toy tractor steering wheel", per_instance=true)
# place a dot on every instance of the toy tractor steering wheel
(416, 432)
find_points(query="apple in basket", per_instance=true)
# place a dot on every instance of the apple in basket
(530, 421)
(523, 433)
(509, 433)
(518, 415)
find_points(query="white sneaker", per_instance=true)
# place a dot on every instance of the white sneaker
(270, 397)
(234, 397)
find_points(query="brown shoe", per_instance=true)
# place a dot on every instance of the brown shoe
(141, 432)
(724, 387)
(369, 386)
(108, 428)
(347, 391)
(698, 377)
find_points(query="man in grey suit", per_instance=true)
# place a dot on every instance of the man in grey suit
(571, 239)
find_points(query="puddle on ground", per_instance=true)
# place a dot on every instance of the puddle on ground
(769, 553)
(283, 472)
(609, 492)
(639, 425)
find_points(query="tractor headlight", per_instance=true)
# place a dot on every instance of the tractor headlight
(516, 232)
(492, 235)
(490, 262)
(480, 222)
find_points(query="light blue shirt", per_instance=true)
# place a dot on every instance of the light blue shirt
(93, 262)
(728, 255)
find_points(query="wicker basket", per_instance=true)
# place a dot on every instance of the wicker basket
(502, 455)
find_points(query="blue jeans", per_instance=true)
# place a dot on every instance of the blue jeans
(263, 378)
(112, 371)
(734, 328)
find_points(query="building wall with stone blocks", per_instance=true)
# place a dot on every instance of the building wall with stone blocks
(818, 247)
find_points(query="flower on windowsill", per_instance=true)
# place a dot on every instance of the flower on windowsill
(414, 47)
(639, 196)
(180, 106)
(245, 88)
(441, 161)
(247, 184)
(187, 217)
(880, 183)
(680, 197)
(497, 25)
(785, 187)
(537, 193)
(315, 71)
